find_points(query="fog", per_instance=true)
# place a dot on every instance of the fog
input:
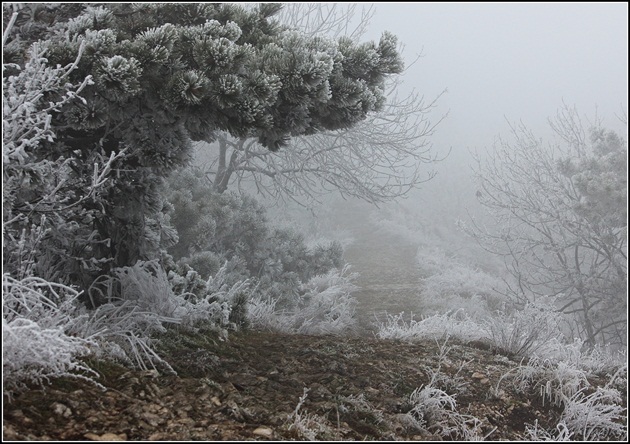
(511, 61)
(499, 64)
(260, 207)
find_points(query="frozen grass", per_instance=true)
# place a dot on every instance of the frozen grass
(589, 413)
(596, 416)
(556, 370)
(533, 330)
(455, 325)
(325, 305)
(147, 303)
(46, 332)
(36, 341)
(435, 410)
(554, 381)
(535, 433)
(526, 331)
(308, 426)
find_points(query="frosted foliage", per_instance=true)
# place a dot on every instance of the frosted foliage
(527, 331)
(435, 410)
(324, 306)
(561, 222)
(456, 325)
(124, 325)
(37, 344)
(26, 117)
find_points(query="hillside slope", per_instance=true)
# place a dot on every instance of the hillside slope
(249, 387)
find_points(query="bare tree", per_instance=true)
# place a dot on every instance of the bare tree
(332, 19)
(379, 159)
(562, 221)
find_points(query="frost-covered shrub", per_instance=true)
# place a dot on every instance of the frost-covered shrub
(449, 285)
(144, 303)
(49, 210)
(525, 332)
(214, 228)
(435, 410)
(597, 416)
(455, 325)
(324, 305)
(234, 296)
(37, 333)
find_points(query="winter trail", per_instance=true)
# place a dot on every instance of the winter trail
(388, 276)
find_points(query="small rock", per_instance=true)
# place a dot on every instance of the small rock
(61, 410)
(216, 401)
(105, 437)
(150, 373)
(152, 419)
(17, 413)
(263, 431)
(478, 375)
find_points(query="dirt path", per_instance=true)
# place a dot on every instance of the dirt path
(388, 276)
(249, 387)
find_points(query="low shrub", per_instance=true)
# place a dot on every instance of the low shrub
(37, 340)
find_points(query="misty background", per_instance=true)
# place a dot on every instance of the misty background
(499, 64)
(487, 66)
(177, 172)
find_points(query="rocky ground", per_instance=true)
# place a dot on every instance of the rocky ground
(249, 388)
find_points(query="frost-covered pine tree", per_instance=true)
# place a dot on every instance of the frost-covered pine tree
(164, 75)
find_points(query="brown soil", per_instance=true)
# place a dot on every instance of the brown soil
(248, 387)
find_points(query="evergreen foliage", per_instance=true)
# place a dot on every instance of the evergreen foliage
(214, 228)
(164, 75)
(101, 104)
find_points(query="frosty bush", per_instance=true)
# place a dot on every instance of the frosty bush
(214, 228)
(527, 331)
(454, 324)
(324, 306)
(48, 210)
(37, 322)
(146, 303)
(596, 416)
(449, 285)
(435, 410)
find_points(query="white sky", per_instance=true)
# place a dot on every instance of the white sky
(511, 60)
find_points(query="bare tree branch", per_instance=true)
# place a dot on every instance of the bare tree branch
(560, 218)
